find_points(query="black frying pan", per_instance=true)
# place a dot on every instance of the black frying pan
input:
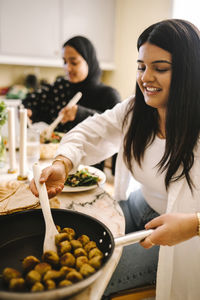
(22, 234)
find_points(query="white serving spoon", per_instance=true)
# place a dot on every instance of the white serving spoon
(48, 131)
(50, 228)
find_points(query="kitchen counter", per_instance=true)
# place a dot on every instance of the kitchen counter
(102, 206)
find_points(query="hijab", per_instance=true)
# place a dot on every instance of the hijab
(86, 49)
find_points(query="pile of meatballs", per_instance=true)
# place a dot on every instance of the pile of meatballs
(75, 260)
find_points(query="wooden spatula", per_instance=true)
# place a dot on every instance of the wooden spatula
(50, 228)
(48, 131)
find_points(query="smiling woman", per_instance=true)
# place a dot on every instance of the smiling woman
(167, 102)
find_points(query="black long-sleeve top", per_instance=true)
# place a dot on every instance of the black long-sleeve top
(46, 103)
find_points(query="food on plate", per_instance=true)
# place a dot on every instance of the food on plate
(82, 178)
(55, 138)
(77, 258)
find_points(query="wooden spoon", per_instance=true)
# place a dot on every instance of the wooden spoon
(48, 131)
(50, 228)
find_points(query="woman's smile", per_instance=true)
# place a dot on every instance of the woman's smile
(150, 90)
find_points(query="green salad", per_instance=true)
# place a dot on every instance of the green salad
(82, 178)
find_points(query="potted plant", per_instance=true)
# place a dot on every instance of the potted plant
(3, 118)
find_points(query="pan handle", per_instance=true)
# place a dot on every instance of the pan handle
(132, 238)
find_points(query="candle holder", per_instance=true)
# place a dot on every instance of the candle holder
(22, 178)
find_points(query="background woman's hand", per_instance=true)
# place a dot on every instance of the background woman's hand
(54, 178)
(171, 229)
(69, 113)
(29, 112)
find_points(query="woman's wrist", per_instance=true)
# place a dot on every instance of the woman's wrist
(65, 162)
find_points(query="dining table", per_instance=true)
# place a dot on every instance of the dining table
(97, 203)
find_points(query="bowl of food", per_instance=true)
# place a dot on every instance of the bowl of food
(48, 147)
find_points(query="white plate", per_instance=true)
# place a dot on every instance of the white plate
(92, 170)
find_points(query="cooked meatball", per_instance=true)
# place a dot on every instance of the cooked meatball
(37, 287)
(51, 257)
(50, 284)
(80, 252)
(71, 233)
(96, 262)
(9, 273)
(17, 284)
(42, 268)
(84, 239)
(86, 270)
(52, 274)
(67, 259)
(95, 252)
(58, 228)
(65, 270)
(64, 283)
(80, 261)
(64, 247)
(76, 244)
(33, 277)
(74, 276)
(29, 263)
(89, 246)
(61, 237)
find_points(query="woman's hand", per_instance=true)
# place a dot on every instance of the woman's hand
(54, 177)
(29, 112)
(69, 113)
(171, 229)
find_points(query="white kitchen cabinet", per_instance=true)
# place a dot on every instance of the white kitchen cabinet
(30, 28)
(32, 32)
(94, 19)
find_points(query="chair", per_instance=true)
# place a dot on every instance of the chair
(135, 275)
(147, 292)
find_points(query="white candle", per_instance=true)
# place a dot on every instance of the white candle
(11, 139)
(23, 143)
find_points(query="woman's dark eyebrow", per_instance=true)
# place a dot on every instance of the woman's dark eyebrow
(156, 61)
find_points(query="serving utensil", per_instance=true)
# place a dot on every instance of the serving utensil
(46, 133)
(50, 228)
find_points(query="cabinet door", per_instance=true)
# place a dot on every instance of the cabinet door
(95, 19)
(30, 28)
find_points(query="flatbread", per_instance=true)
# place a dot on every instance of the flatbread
(17, 196)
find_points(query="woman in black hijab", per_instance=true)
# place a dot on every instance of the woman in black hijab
(82, 74)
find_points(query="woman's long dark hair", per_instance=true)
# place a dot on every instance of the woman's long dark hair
(182, 40)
